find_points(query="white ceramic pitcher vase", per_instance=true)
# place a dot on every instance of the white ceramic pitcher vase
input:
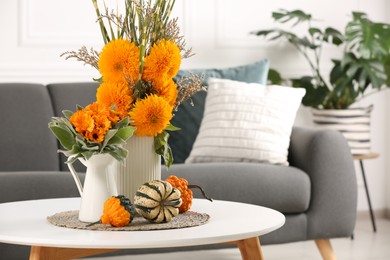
(99, 185)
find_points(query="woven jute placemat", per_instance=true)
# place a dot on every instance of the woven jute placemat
(69, 219)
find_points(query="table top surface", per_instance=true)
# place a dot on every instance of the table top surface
(25, 223)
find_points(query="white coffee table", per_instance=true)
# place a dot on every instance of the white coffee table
(25, 223)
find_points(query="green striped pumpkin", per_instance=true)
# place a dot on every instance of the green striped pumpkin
(157, 201)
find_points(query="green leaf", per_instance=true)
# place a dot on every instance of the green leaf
(67, 114)
(171, 127)
(387, 69)
(75, 150)
(63, 135)
(315, 95)
(368, 38)
(126, 132)
(87, 154)
(285, 16)
(316, 33)
(100, 80)
(122, 123)
(334, 36)
(162, 148)
(115, 140)
(274, 77)
(110, 134)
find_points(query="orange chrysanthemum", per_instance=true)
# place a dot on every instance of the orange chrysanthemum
(151, 115)
(163, 62)
(119, 61)
(117, 95)
(166, 89)
(93, 122)
(82, 121)
(99, 108)
(102, 125)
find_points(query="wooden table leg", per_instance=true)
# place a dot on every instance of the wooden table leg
(326, 250)
(50, 253)
(250, 249)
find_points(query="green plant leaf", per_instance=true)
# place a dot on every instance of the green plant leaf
(368, 38)
(171, 127)
(67, 114)
(284, 16)
(119, 153)
(334, 36)
(122, 123)
(315, 95)
(63, 135)
(274, 77)
(115, 140)
(316, 33)
(87, 154)
(126, 132)
(162, 148)
(109, 135)
(387, 69)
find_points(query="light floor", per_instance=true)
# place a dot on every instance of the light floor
(366, 245)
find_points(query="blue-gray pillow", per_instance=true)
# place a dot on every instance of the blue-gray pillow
(189, 117)
(252, 73)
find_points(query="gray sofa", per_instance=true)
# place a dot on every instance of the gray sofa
(317, 192)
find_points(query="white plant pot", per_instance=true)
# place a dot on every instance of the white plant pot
(141, 165)
(353, 123)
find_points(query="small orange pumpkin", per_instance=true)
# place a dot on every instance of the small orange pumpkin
(117, 211)
(186, 193)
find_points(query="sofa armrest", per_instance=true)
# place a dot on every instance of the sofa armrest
(16, 186)
(325, 156)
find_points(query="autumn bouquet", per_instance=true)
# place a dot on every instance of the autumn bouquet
(141, 56)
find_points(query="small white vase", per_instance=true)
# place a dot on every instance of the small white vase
(141, 165)
(99, 185)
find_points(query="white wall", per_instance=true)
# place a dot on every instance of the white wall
(35, 32)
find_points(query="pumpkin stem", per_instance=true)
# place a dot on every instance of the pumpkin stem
(201, 190)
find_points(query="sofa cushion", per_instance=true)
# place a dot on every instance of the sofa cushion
(188, 117)
(286, 189)
(66, 96)
(246, 122)
(252, 73)
(26, 148)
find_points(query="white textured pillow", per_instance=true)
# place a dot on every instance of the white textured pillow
(246, 122)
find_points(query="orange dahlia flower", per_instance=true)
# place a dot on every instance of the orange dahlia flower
(119, 61)
(117, 95)
(151, 115)
(163, 62)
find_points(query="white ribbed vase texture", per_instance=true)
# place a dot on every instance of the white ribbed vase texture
(353, 123)
(141, 165)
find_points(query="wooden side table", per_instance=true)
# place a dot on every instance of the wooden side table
(361, 158)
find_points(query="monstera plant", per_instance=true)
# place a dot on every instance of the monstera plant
(363, 68)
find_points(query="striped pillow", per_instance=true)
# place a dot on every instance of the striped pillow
(246, 122)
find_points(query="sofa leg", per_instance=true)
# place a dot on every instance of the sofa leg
(325, 249)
